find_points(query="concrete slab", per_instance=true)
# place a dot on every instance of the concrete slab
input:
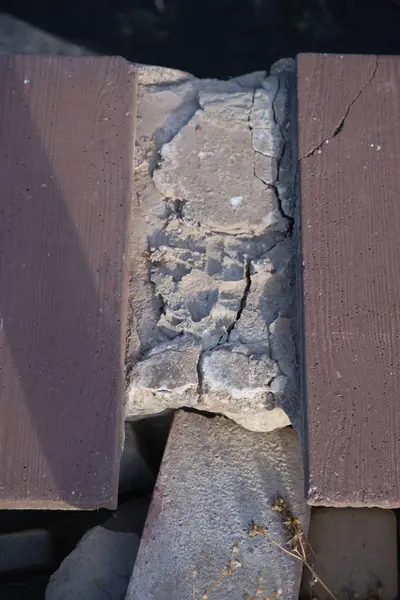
(215, 479)
(26, 550)
(98, 568)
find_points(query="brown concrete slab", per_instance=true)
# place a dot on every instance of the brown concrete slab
(349, 150)
(354, 554)
(66, 144)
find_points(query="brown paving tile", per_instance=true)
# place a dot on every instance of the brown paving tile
(349, 159)
(66, 143)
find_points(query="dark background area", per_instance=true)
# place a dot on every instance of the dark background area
(217, 38)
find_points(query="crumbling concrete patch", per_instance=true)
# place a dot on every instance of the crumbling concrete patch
(213, 224)
(216, 479)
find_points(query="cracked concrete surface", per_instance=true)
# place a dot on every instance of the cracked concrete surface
(211, 289)
(341, 123)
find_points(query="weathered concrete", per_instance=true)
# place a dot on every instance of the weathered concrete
(26, 550)
(18, 37)
(354, 552)
(98, 568)
(215, 479)
(212, 300)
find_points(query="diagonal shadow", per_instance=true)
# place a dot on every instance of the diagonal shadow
(62, 232)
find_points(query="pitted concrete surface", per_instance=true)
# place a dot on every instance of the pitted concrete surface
(211, 320)
(215, 479)
(97, 569)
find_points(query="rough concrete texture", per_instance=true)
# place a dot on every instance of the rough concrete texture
(212, 299)
(98, 568)
(215, 479)
(355, 553)
(134, 473)
(18, 37)
(26, 550)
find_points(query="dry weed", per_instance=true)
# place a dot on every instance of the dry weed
(229, 570)
(296, 544)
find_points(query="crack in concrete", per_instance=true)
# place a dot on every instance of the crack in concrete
(278, 159)
(340, 125)
(243, 300)
(225, 337)
(200, 382)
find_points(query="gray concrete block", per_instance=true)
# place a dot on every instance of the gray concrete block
(355, 553)
(98, 568)
(215, 479)
(25, 550)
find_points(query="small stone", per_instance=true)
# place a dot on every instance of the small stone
(216, 479)
(25, 550)
(98, 568)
